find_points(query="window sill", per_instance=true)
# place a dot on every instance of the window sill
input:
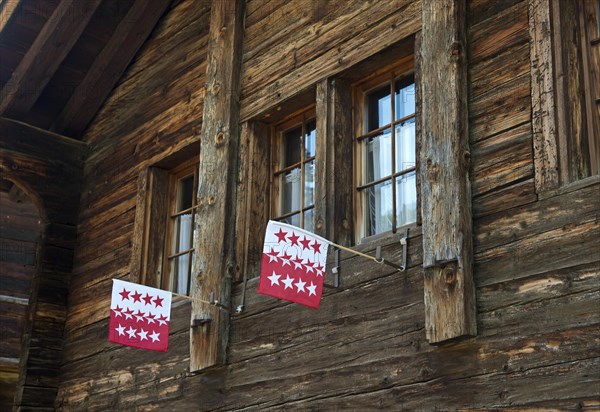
(570, 187)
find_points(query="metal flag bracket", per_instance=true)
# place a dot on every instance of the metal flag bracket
(335, 270)
(404, 243)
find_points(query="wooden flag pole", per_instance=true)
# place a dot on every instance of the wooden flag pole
(373, 258)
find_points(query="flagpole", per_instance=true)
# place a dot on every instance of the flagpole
(215, 303)
(373, 258)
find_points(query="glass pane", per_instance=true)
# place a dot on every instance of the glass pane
(185, 193)
(309, 183)
(405, 99)
(290, 184)
(183, 227)
(309, 220)
(180, 273)
(310, 139)
(379, 108)
(291, 147)
(406, 199)
(378, 208)
(405, 145)
(292, 220)
(379, 159)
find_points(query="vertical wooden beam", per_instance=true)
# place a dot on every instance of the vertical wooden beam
(545, 150)
(333, 181)
(7, 10)
(253, 186)
(214, 240)
(446, 195)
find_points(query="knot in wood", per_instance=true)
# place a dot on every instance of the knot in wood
(319, 224)
(219, 138)
(216, 88)
(433, 170)
(455, 49)
(211, 200)
(449, 274)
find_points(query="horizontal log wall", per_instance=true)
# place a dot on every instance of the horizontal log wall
(536, 270)
(48, 168)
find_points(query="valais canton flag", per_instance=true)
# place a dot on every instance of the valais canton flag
(139, 316)
(293, 264)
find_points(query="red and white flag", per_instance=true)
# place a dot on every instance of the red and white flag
(293, 264)
(139, 316)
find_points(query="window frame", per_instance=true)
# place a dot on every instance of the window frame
(300, 118)
(403, 68)
(177, 174)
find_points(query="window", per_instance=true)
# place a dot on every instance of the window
(163, 252)
(179, 245)
(577, 57)
(385, 152)
(293, 175)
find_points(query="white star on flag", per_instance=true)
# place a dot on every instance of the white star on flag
(131, 332)
(143, 334)
(300, 285)
(311, 289)
(120, 330)
(274, 279)
(288, 282)
(154, 336)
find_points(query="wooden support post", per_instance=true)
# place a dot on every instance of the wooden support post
(214, 239)
(252, 198)
(450, 310)
(333, 208)
(545, 148)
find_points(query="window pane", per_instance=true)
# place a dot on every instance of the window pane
(309, 183)
(379, 108)
(290, 191)
(183, 227)
(378, 208)
(405, 145)
(309, 220)
(379, 159)
(291, 147)
(406, 199)
(292, 220)
(180, 273)
(405, 100)
(185, 193)
(310, 139)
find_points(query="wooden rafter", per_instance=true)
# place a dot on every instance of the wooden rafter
(53, 43)
(7, 9)
(109, 66)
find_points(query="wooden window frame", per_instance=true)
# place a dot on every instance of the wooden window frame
(563, 90)
(390, 74)
(153, 207)
(186, 169)
(299, 118)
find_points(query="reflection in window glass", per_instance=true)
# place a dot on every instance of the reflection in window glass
(296, 175)
(389, 157)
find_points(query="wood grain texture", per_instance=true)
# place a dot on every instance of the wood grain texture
(214, 242)
(445, 186)
(333, 180)
(542, 96)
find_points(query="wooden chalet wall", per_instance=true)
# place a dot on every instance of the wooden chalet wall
(536, 262)
(48, 168)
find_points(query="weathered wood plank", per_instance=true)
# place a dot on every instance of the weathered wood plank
(445, 188)
(521, 193)
(397, 26)
(214, 243)
(333, 210)
(542, 96)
